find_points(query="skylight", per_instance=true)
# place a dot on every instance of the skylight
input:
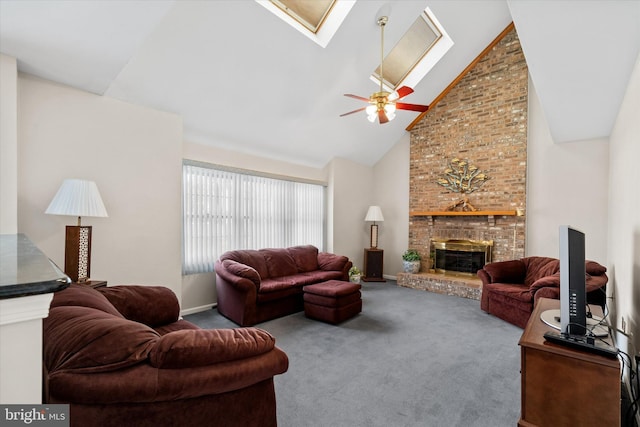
(318, 19)
(311, 14)
(415, 54)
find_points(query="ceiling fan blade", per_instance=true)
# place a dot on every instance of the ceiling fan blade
(411, 107)
(354, 111)
(404, 91)
(361, 98)
(382, 117)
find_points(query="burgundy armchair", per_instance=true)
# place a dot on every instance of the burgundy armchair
(121, 356)
(510, 289)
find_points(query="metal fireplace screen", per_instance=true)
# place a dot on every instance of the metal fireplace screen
(461, 256)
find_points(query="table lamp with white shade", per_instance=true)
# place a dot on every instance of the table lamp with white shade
(77, 198)
(374, 214)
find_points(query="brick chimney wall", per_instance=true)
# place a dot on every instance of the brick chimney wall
(483, 119)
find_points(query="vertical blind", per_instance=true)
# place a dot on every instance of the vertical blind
(227, 210)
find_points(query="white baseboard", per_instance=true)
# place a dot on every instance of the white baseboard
(389, 277)
(195, 310)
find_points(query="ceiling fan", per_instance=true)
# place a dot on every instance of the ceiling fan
(383, 104)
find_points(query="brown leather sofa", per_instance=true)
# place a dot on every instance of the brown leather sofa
(510, 289)
(254, 286)
(120, 356)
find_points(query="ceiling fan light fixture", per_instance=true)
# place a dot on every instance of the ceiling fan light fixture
(382, 104)
(390, 108)
(391, 116)
(385, 109)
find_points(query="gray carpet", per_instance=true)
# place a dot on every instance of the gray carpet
(411, 358)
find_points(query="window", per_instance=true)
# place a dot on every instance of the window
(415, 54)
(227, 209)
(311, 14)
(318, 20)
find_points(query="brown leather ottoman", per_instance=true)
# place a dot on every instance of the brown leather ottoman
(333, 301)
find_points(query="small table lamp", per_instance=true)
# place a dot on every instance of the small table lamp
(374, 214)
(79, 198)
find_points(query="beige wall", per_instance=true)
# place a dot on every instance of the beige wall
(567, 184)
(351, 192)
(134, 156)
(8, 146)
(237, 159)
(624, 212)
(391, 192)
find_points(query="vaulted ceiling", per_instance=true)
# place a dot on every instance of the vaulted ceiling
(244, 80)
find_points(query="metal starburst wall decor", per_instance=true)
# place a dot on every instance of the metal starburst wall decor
(462, 177)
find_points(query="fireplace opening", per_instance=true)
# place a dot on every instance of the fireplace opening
(461, 256)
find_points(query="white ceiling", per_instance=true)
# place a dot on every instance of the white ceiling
(244, 80)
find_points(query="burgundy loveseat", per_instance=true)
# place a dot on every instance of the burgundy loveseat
(510, 289)
(120, 356)
(258, 285)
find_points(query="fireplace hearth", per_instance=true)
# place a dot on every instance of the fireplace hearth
(456, 262)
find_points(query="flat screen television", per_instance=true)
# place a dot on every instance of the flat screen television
(573, 314)
(573, 299)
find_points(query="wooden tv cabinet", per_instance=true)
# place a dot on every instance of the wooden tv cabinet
(562, 386)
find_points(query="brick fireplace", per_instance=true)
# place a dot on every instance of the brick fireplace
(482, 118)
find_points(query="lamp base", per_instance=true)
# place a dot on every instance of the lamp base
(374, 236)
(77, 252)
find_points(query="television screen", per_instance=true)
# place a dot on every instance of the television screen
(573, 316)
